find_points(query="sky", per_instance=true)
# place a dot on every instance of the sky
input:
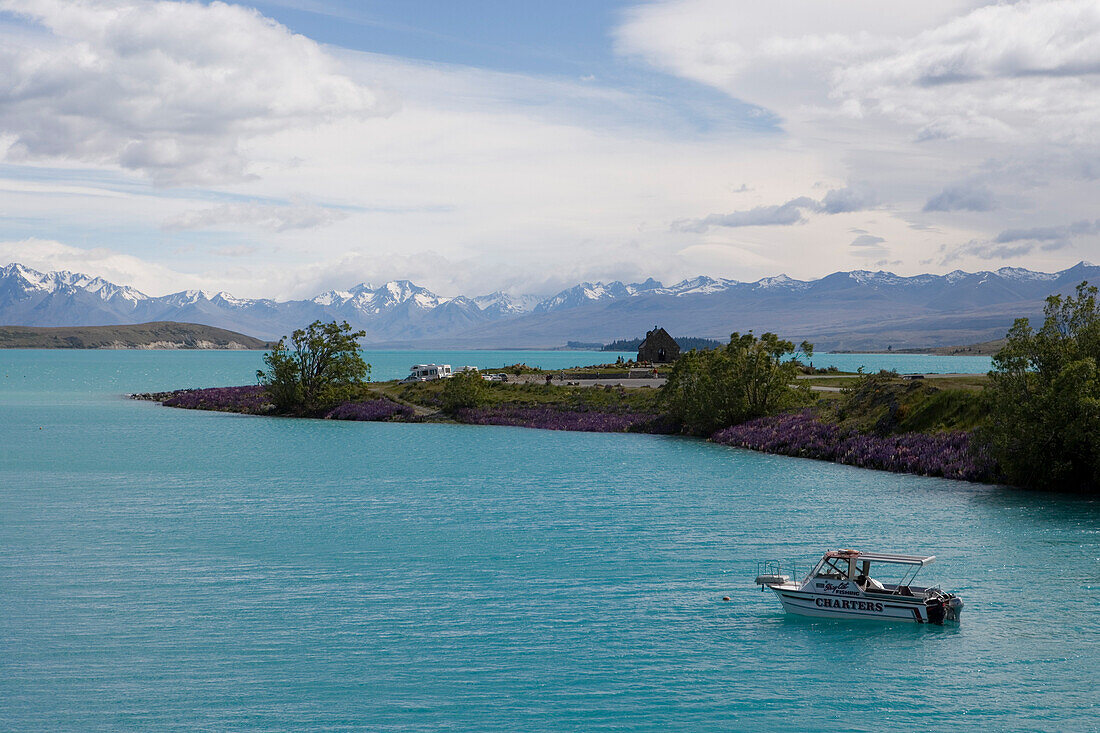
(287, 147)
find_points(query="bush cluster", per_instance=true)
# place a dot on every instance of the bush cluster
(1044, 400)
(749, 377)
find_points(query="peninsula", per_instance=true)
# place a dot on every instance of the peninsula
(157, 335)
(754, 393)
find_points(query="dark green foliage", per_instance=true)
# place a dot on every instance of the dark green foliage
(808, 369)
(321, 368)
(1044, 397)
(749, 377)
(623, 345)
(686, 344)
(462, 391)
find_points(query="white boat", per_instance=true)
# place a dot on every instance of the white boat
(841, 586)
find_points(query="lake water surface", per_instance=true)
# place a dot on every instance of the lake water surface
(166, 570)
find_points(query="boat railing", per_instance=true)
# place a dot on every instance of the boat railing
(904, 585)
(777, 568)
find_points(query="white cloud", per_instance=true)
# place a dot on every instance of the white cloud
(1050, 233)
(1008, 71)
(1017, 242)
(846, 200)
(760, 216)
(1003, 96)
(962, 198)
(271, 217)
(781, 54)
(485, 180)
(938, 69)
(173, 90)
(236, 250)
(868, 245)
(47, 255)
(837, 201)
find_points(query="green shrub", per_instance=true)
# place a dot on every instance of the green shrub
(463, 390)
(749, 377)
(321, 367)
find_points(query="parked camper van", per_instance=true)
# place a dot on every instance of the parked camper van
(428, 372)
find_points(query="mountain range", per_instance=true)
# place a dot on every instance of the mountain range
(853, 310)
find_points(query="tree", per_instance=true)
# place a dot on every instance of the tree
(322, 366)
(1044, 397)
(749, 377)
(465, 389)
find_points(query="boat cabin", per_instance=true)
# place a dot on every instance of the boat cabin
(854, 565)
(428, 372)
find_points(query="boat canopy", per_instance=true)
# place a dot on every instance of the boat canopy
(881, 557)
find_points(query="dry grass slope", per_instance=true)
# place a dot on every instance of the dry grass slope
(157, 335)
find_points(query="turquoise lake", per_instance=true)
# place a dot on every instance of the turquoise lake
(173, 570)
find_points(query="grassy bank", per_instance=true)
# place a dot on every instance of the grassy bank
(613, 399)
(878, 421)
(884, 404)
(882, 421)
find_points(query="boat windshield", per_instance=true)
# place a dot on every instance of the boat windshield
(834, 568)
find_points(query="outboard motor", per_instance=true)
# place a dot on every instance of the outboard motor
(943, 607)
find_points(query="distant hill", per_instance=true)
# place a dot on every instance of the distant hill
(857, 310)
(986, 348)
(160, 335)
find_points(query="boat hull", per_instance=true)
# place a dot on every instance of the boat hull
(878, 607)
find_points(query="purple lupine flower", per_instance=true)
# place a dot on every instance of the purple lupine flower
(551, 418)
(249, 399)
(253, 400)
(952, 455)
(371, 410)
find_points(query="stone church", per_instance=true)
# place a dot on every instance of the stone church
(658, 348)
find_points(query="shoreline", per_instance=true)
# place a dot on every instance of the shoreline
(800, 434)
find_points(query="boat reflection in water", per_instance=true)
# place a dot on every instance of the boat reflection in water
(841, 586)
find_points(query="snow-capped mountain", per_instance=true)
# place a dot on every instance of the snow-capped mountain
(506, 304)
(701, 285)
(367, 300)
(586, 293)
(17, 275)
(857, 309)
(29, 297)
